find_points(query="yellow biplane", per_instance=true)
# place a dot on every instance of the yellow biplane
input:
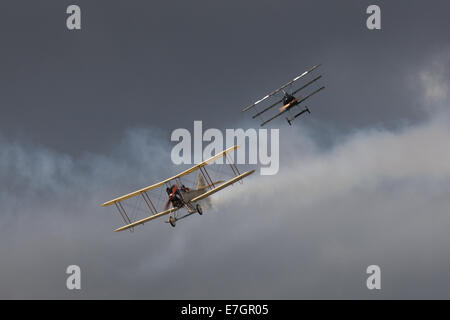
(179, 196)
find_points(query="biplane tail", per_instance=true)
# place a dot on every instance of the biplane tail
(201, 184)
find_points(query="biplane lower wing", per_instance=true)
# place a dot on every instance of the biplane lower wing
(136, 223)
(222, 186)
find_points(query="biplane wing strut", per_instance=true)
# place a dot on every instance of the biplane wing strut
(222, 186)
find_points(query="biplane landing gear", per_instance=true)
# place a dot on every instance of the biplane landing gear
(172, 221)
(199, 209)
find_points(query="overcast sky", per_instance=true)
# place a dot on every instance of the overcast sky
(87, 115)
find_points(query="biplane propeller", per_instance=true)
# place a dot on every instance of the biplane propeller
(288, 100)
(179, 196)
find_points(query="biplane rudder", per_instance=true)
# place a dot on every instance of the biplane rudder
(201, 184)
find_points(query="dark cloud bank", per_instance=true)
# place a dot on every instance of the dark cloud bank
(87, 116)
(376, 196)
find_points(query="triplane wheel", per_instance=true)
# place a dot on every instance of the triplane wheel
(199, 209)
(172, 221)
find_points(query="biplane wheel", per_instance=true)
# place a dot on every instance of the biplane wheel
(199, 209)
(172, 221)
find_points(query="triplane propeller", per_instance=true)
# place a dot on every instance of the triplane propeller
(288, 100)
(179, 196)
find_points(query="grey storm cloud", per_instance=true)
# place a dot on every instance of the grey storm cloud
(86, 116)
(375, 196)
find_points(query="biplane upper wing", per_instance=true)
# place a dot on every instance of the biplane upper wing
(280, 88)
(222, 186)
(136, 223)
(159, 184)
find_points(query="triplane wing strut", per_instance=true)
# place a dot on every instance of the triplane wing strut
(179, 195)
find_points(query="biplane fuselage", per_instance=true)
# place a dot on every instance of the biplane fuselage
(188, 194)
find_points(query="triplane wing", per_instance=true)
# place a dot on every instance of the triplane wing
(288, 100)
(179, 195)
(280, 88)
